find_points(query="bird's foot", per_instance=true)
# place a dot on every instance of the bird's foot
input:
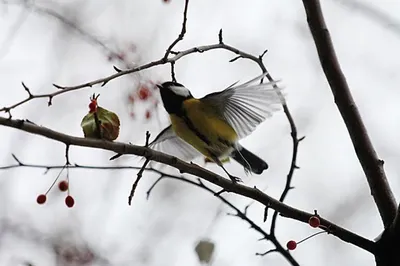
(235, 179)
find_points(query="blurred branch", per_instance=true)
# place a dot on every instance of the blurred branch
(371, 164)
(373, 13)
(19, 164)
(31, 6)
(192, 169)
(242, 215)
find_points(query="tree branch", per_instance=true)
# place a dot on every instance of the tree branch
(182, 34)
(162, 61)
(192, 169)
(371, 164)
(242, 215)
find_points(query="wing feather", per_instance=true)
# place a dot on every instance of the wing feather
(168, 142)
(247, 105)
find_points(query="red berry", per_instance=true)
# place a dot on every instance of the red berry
(144, 93)
(291, 245)
(41, 199)
(63, 185)
(148, 114)
(69, 201)
(314, 221)
(132, 114)
(93, 106)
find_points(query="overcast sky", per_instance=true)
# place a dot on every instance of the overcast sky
(40, 50)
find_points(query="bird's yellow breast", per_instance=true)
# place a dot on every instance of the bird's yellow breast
(208, 124)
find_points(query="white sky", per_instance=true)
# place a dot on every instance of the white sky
(164, 229)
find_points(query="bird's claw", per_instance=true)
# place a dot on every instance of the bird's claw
(235, 179)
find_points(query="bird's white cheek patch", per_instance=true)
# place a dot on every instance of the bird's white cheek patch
(181, 91)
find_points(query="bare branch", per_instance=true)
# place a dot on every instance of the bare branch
(192, 169)
(182, 34)
(140, 173)
(371, 164)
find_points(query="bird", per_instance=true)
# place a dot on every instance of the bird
(213, 125)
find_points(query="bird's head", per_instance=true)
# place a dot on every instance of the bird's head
(172, 95)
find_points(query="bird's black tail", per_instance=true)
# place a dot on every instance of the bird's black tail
(249, 160)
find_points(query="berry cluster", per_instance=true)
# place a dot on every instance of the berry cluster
(63, 186)
(314, 222)
(143, 93)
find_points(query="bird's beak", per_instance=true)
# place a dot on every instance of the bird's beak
(159, 86)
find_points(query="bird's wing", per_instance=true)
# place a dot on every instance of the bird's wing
(247, 105)
(168, 142)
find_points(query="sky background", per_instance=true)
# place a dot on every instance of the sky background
(40, 50)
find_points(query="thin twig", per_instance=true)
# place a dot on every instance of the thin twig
(140, 173)
(182, 34)
(105, 80)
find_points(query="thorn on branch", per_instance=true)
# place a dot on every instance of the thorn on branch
(27, 90)
(236, 58)
(116, 156)
(117, 69)
(263, 54)
(218, 194)
(49, 103)
(265, 213)
(201, 183)
(58, 86)
(29, 121)
(104, 83)
(301, 139)
(16, 159)
(267, 252)
(198, 50)
(220, 39)
(174, 52)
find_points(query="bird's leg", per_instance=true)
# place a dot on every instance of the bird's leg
(234, 179)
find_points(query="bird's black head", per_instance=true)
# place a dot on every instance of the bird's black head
(172, 95)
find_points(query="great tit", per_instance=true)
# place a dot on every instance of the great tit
(214, 124)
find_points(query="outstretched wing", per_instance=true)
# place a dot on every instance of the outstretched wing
(246, 106)
(168, 142)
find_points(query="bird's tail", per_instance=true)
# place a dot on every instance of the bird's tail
(249, 160)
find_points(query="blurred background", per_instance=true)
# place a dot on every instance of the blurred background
(75, 41)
